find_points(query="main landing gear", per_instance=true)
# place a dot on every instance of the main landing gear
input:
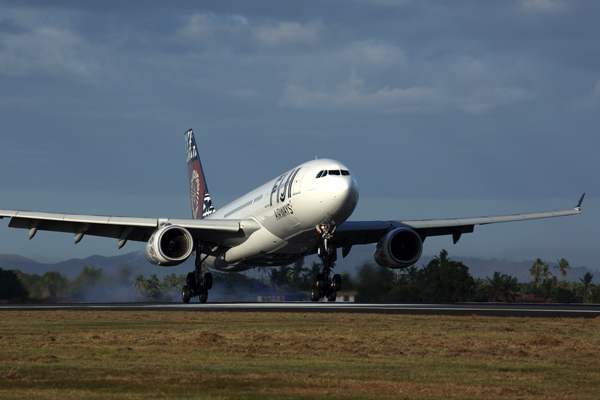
(198, 283)
(325, 286)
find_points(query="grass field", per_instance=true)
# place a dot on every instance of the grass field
(147, 355)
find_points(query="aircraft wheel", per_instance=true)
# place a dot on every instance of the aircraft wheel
(315, 293)
(186, 294)
(191, 280)
(332, 296)
(203, 295)
(208, 281)
(320, 284)
(337, 282)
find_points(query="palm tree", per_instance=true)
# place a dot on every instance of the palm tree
(563, 266)
(170, 281)
(140, 284)
(280, 276)
(502, 287)
(310, 277)
(536, 271)
(547, 288)
(262, 271)
(170, 287)
(546, 273)
(298, 269)
(153, 289)
(587, 280)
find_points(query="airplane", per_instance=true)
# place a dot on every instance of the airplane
(301, 212)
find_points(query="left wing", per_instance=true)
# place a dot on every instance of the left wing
(364, 232)
(122, 228)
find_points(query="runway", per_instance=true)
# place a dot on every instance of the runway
(458, 309)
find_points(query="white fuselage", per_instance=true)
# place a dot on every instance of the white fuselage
(288, 208)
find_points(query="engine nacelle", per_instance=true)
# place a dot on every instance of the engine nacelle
(169, 245)
(399, 248)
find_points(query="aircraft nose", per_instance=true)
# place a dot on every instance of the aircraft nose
(345, 192)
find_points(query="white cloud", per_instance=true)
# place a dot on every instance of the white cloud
(352, 94)
(543, 6)
(386, 3)
(373, 54)
(206, 28)
(287, 33)
(236, 32)
(415, 99)
(488, 98)
(591, 100)
(43, 44)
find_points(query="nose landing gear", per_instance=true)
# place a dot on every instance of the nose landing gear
(325, 286)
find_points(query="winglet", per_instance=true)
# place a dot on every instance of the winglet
(578, 206)
(201, 204)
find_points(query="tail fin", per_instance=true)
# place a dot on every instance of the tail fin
(198, 189)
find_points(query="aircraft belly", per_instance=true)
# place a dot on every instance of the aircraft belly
(260, 254)
(261, 241)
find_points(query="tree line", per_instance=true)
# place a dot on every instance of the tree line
(441, 280)
(445, 280)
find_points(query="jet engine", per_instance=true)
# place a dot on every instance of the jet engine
(169, 245)
(399, 248)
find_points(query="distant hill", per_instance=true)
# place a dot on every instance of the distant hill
(111, 265)
(478, 267)
(14, 261)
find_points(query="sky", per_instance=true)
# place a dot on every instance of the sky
(440, 109)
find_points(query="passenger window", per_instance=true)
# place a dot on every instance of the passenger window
(345, 172)
(334, 172)
(319, 174)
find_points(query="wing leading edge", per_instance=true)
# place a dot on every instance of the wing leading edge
(122, 228)
(364, 232)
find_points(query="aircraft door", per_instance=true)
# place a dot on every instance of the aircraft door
(298, 180)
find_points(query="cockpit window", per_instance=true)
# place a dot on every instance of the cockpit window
(338, 172)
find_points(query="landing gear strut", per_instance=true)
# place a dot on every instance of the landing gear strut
(198, 283)
(325, 286)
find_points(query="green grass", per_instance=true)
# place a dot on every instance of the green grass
(147, 355)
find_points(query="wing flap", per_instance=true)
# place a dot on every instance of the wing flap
(441, 223)
(228, 225)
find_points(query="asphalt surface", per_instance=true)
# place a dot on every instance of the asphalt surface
(480, 309)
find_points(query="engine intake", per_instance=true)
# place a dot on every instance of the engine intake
(399, 248)
(170, 245)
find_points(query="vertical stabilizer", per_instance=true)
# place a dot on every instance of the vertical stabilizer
(201, 203)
